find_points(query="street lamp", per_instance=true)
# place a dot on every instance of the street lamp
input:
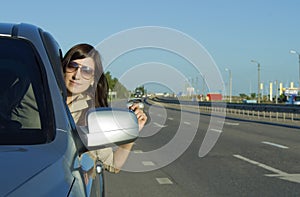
(276, 82)
(230, 84)
(258, 80)
(295, 52)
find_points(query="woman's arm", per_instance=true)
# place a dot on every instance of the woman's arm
(122, 152)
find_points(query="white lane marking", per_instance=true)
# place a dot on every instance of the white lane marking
(159, 115)
(148, 163)
(230, 123)
(276, 145)
(138, 151)
(278, 173)
(216, 130)
(159, 125)
(259, 164)
(164, 181)
(170, 118)
(187, 123)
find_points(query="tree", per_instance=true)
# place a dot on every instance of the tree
(282, 98)
(111, 81)
(253, 95)
(244, 96)
(116, 86)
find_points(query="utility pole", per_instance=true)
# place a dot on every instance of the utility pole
(258, 80)
(295, 52)
(230, 84)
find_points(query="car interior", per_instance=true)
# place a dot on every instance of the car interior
(22, 104)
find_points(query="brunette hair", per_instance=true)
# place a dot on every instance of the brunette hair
(99, 91)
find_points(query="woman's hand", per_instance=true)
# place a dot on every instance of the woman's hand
(122, 152)
(141, 116)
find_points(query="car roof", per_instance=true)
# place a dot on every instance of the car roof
(6, 29)
(23, 30)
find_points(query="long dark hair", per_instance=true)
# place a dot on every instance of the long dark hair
(99, 91)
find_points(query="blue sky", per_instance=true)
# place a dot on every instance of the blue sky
(232, 31)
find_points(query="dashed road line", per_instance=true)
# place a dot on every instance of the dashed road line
(138, 151)
(274, 144)
(216, 130)
(148, 163)
(159, 125)
(259, 164)
(230, 123)
(164, 181)
(278, 173)
(187, 123)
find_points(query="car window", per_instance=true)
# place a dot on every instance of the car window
(24, 111)
(55, 55)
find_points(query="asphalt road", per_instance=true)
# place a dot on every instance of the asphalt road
(248, 159)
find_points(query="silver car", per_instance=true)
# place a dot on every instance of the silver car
(40, 147)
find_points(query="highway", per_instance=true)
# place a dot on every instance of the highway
(248, 159)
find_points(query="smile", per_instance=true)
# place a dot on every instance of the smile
(74, 83)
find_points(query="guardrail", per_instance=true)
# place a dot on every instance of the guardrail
(278, 112)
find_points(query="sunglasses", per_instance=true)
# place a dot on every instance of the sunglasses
(86, 72)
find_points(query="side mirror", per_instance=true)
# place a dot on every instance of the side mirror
(107, 127)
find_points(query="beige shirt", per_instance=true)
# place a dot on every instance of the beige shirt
(105, 155)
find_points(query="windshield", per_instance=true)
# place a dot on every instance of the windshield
(22, 96)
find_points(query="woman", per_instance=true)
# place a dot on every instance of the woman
(87, 88)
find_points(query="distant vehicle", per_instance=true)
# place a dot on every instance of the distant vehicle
(138, 94)
(40, 145)
(249, 101)
(131, 101)
(293, 100)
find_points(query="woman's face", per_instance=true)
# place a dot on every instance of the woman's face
(79, 75)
